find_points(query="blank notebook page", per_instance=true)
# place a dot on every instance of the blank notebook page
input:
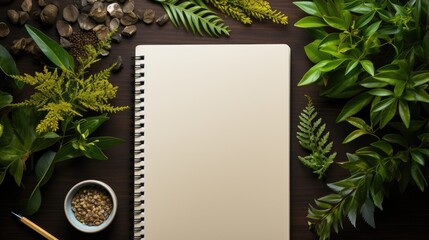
(216, 142)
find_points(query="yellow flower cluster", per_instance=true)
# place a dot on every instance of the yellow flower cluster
(245, 10)
(63, 95)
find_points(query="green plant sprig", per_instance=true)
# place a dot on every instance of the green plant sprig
(53, 120)
(244, 11)
(195, 16)
(375, 54)
(65, 93)
(313, 137)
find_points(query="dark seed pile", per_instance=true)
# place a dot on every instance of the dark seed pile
(78, 40)
(92, 205)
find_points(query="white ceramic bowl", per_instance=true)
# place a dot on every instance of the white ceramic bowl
(70, 215)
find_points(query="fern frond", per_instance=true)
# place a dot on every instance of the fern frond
(313, 137)
(194, 17)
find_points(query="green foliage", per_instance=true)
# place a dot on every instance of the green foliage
(313, 137)
(67, 94)
(53, 51)
(52, 121)
(194, 16)
(245, 10)
(395, 157)
(7, 64)
(375, 54)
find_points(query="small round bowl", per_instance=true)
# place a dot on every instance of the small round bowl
(71, 216)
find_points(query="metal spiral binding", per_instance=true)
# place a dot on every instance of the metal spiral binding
(138, 205)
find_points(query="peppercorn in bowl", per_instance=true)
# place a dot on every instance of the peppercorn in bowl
(90, 206)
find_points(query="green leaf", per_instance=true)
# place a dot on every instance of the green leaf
(52, 50)
(388, 77)
(24, 120)
(352, 65)
(360, 7)
(333, 50)
(368, 66)
(91, 124)
(404, 113)
(67, 152)
(424, 137)
(16, 169)
(421, 95)
(388, 113)
(353, 135)
(396, 138)
(43, 171)
(380, 92)
(417, 157)
(364, 19)
(2, 174)
(372, 83)
(367, 212)
(377, 191)
(354, 106)
(330, 65)
(331, 39)
(7, 63)
(94, 152)
(371, 29)
(383, 146)
(5, 99)
(106, 142)
(46, 140)
(383, 104)
(336, 22)
(313, 53)
(399, 89)
(314, 73)
(358, 122)
(420, 79)
(311, 76)
(44, 168)
(418, 177)
(310, 22)
(34, 202)
(308, 7)
(352, 213)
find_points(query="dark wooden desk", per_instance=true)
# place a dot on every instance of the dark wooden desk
(404, 216)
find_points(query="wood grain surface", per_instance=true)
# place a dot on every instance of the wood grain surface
(405, 216)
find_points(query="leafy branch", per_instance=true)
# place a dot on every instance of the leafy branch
(312, 136)
(375, 54)
(394, 158)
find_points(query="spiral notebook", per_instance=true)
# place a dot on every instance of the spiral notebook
(212, 142)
